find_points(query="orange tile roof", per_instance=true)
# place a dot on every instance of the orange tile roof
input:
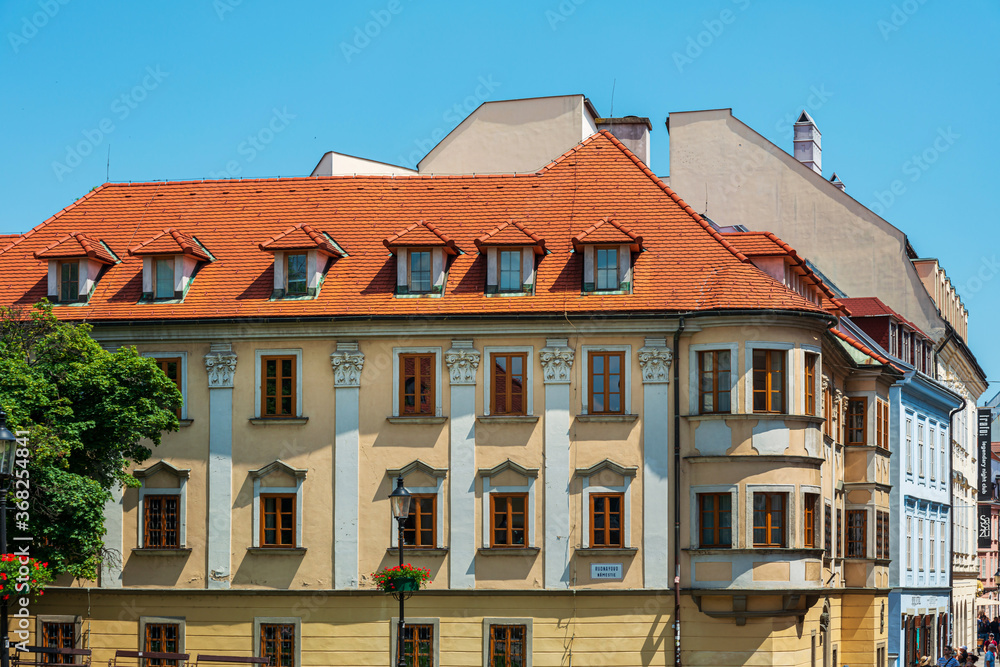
(607, 230)
(421, 234)
(689, 265)
(861, 347)
(872, 306)
(511, 233)
(75, 244)
(170, 241)
(301, 236)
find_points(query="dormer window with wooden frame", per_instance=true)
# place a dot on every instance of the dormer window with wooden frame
(511, 250)
(607, 248)
(76, 262)
(170, 260)
(302, 257)
(422, 252)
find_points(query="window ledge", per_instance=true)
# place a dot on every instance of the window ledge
(179, 551)
(755, 416)
(604, 292)
(277, 551)
(609, 551)
(806, 552)
(417, 419)
(607, 418)
(508, 551)
(507, 419)
(287, 421)
(503, 294)
(185, 422)
(420, 551)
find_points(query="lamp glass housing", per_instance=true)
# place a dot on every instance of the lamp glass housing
(8, 445)
(400, 500)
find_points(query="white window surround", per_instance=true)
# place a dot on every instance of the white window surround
(790, 384)
(180, 490)
(790, 512)
(316, 264)
(586, 350)
(489, 490)
(184, 267)
(77, 622)
(908, 437)
(869, 528)
(184, 374)
(436, 351)
(283, 620)
(528, 634)
(258, 490)
(590, 266)
(258, 376)
(493, 268)
(418, 620)
(626, 527)
(179, 621)
(734, 508)
(87, 278)
(438, 263)
(436, 490)
(693, 380)
(529, 374)
(800, 530)
(817, 377)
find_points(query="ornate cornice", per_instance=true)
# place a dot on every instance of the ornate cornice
(463, 362)
(557, 361)
(221, 367)
(347, 366)
(655, 363)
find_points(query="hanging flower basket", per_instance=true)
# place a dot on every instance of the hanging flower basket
(21, 576)
(401, 578)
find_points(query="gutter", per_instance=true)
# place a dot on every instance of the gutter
(951, 496)
(677, 493)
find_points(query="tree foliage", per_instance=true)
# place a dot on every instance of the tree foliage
(90, 413)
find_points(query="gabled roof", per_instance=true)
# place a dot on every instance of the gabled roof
(511, 233)
(76, 244)
(607, 230)
(872, 306)
(171, 241)
(421, 234)
(302, 236)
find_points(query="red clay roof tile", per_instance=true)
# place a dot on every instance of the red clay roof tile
(170, 241)
(511, 233)
(76, 244)
(421, 234)
(301, 236)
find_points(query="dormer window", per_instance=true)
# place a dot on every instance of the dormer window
(301, 257)
(164, 267)
(296, 275)
(607, 248)
(69, 280)
(419, 279)
(607, 268)
(422, 252)
(75, 264)
(510, 270)
(510, 249)
(170, 260)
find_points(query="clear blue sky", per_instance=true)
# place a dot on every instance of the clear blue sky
(175, 89)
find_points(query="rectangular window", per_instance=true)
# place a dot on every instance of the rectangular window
(769, 519)
(507, 645)
(944, 545)
(810, 369)
(909, 446)
(715, 384)
(880, 532)
(161, 638)
(296, 279)
(769, 380)
(510, 271)
(510, 520)
(171, 367)
(606, 525)
(716, 520)
(606, 379)
(277, 520)
(420, 270)
(882, 424)
(893, 340)
(828, 530)
(164, 283)
(828, 411)
(906, 345)
(417, 645)
(69, 281)
(416, 390)
(420, 527)
(508, 390)
(809, 520)
(932, 551)
(944, 456)
(840, 533)
(932, 454)
(278, 391)
(58, 635)
(161, 522)
(857, 533)
(909, 542)
(857, 424)
(606, 268)
(920, 545)
(920, 449)
(277, 642)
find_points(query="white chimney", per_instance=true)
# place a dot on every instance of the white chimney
(807, 143)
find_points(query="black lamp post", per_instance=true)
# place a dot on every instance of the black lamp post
(8, 445)
(400, 500)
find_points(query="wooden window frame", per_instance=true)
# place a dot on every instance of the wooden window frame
(857, 435)
(74, 285)
(828, 529)
(164, 364)
(616, 283)
(412, 657)
(495, 498)
(416, 516)
(811, 361)
(263, 628)
(809, 503)
(507, 390)
(607, 393)
(519, 285)
(288, 274)
(717, 390)
(148, 501)
(767, 375)
(156, 276)
(506, 642)
(882, 424)
(60, 641)
(278, 359)
(279, 523)
(147, 639)
(828, 411)
(857, 543)
(769, 513)
(430, 270)
(717, 512)
(840, 532)
(607, 514)
(420, 358)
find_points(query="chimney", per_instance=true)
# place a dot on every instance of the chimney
(837, 183)
(807, 143)
(633, 131)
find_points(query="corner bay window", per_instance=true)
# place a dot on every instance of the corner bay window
(296, 282)
(857, 426)
(606, 379)
(510, 271)
(606, 520)
(857, 533)
(420, 526)
(810, 382)
(277, 520)
(881, 534)
(416, 387)
(416, 645)
(508, 391)
(715, 520)
(277, 642)
(809, 520)
(278, 397)
(507, 645)
(769, 519)
(160, 522)
(69, 281)
(714, 384)
(420, 271)
(606, 268)
(510, 520)
(769, 380)
(161, 638)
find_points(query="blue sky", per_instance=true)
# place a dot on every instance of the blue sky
(177, 89)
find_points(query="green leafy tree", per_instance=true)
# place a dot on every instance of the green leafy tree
(90, 414)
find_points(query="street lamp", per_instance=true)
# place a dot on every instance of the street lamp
(8, 445)
(400, 500)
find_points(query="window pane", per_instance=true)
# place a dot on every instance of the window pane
(296, 276)
(164, 278)
(420, 271)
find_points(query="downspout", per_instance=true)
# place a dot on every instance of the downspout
(951, 526)
(677, 493)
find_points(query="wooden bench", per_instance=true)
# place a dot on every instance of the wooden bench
(42, 654)
(231, 660)
(146, 655)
